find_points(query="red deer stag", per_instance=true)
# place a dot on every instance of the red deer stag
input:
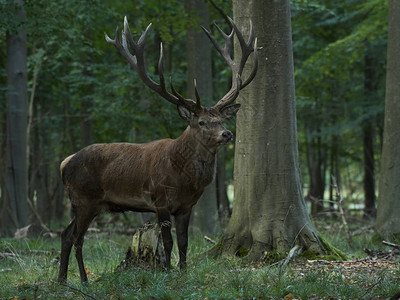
(166, 176)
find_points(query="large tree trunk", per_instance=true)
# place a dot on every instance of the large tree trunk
(269, 212)
(388, 211)
(205, 214)
(15, 207)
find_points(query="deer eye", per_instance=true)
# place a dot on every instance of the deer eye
(201, 123)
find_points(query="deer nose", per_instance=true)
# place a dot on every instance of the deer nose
(227, 135)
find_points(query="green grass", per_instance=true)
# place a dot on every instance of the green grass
(31, 268)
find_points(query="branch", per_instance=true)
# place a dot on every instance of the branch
(396, 246)
(222, 13)
(35, 212)
(78, 290)
(209, 240)
(341, 211)
(296, 250)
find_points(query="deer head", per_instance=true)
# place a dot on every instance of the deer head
(205, 123)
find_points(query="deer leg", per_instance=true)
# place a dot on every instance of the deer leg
(84, 218)
(66, 245)
(182, 224)
(164, 220)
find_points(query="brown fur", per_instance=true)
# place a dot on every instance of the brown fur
(165, 176)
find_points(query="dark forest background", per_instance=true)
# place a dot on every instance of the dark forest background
(80, 91)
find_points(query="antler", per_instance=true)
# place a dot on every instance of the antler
(237, 69)
(136, 61)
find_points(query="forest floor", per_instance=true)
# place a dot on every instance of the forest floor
(29, 267)
(378, 267)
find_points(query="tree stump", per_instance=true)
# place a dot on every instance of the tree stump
(146, 250)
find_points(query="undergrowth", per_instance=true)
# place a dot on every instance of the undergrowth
(29, 268)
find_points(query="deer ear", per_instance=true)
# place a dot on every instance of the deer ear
(229, 112)
(184, 113)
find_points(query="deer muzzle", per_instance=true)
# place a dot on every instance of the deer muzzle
(227, 136)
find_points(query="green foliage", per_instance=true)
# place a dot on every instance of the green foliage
(330, 65)
(340, 58)
(9, 21)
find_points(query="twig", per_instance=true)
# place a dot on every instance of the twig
(77, 290)
(35, 212)
(391, 244)
(222, 13)
(30, 109)
(292, 253)
(28, 252)
(341, 211)
(7, 254)
(209, 240)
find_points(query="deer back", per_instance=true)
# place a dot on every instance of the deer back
(140, 177)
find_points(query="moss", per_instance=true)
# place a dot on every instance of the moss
(215, 250)
(311, 255)
(242, 252)
(376, 239)
(273, 256)
(332, 252)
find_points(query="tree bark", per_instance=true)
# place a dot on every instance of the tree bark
(316, 163)
(39, 183)
(369, 172)
(269, 212)
(334, 169)
(15, 207)
(368, 144)
(198, 49)
(388, 211)
(85, 121)
(224, 210)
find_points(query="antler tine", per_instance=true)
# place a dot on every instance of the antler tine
(255, 65)
(117, 43)
(225, 52)
(190, 104)
(160, 70)
(246, 49)
(180, 98)
(136, 61)
(196, 92)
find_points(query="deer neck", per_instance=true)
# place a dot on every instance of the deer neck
(190, 141)
(193, 159)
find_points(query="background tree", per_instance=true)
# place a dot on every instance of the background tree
(339, 54)
(269, 212)
(198, 51)
(388, 220)
(15, 205)
(368, 134)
